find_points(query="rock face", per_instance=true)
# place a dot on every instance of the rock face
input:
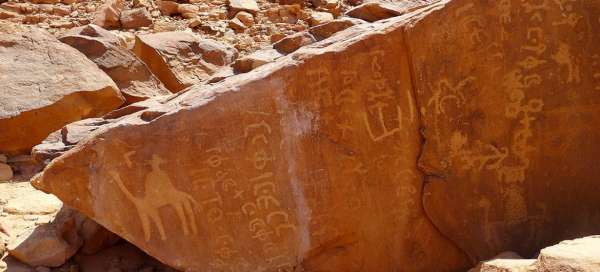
(180, 59)
(45, 84)
(317, 162)
(298, 175)
(130, 74)
(507, 95)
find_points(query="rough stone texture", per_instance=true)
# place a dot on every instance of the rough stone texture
(509, 265)
(255, 60)
(327, 29)
(505, 262)
(322, 160)
(45, 84)
(290, 166)
(243, 5)
(180, 59)
(109, 14)
(6, 173)
(49, 245)
(508, 91)
(580, 255)
(292, 42)
(375, 11)
(135, 18)
(131, 75)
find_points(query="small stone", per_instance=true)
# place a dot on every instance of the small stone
(292, 42)
(3, 158)
(237, 25)
(109, 14)
(327, 29)
(188, 10)
(243, 5)
(6, 172)
(374, 11)
(135, 18)
(168, 8)
(245, 17)
(254, 60)
(194, 22)
(318, 17)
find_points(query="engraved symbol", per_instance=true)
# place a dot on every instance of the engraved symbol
(160, 192)
(386, 132)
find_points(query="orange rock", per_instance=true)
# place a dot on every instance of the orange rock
(109, 14)
(292, 42)
(507, 92)
(307, 164)
(135, 18)
(180, 59)
(132, 76)
(51, 244)
(46, 84)
(327, 29)
(375, 11)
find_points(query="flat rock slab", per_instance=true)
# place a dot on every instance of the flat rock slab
(45, 85)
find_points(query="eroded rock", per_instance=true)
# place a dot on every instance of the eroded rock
(47, 84)
(131, 75)
(297, 154)
(180, 59)
(505, 168)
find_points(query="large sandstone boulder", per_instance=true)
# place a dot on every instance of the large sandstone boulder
(308, 164)
(476, 116)
(509, 95)
(180, 59)
(130, 74)
(46, 84)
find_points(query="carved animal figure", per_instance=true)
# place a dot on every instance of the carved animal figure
(160, 192)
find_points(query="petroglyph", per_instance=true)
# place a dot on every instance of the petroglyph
(385, 131)
(565, 58)
(445, 92)
(160, 192)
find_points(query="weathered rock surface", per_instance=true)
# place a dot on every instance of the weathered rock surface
(255, 60)
(135, 18)
(375, 11)
(316, 162)
(292, 42)
(6, 172)
(180, 59)
(49, 245)
(327, 29)
(298, 175)
(46, 84)
(581, 255)
(507, 94)
(131, 75)
(506, 262)
(109, 14)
